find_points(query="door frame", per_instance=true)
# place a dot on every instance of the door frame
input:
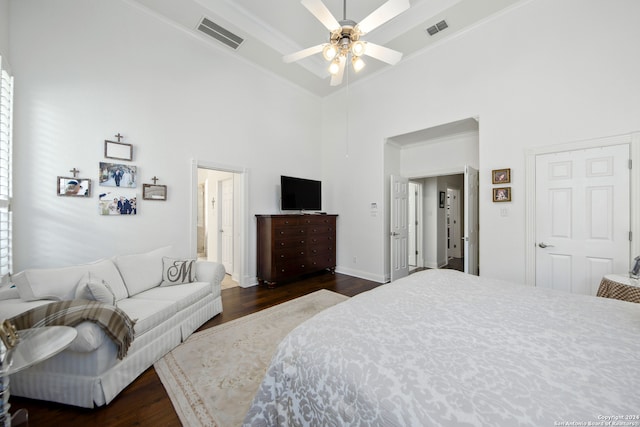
(633, 139)
(241, 217)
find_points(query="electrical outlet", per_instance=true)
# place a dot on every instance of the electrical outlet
(355, 260)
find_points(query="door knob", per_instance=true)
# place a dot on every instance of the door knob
(393, 233)
(544, 245)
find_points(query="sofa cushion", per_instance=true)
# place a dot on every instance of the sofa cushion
(60, 284)
(49, 283)
(147, 313)
(142, 271)
(92, 287)
(12, 307)
(177, 271)
(182, 295)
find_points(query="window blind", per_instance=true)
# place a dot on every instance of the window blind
(6, 128)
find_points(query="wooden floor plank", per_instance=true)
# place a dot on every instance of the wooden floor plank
(145, 401)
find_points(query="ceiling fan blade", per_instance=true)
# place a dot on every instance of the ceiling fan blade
(382, 53)
(320, 11)
(336, 79)
(384, 13)
(296, 56)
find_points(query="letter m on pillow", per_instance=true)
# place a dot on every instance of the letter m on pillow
(177, 271)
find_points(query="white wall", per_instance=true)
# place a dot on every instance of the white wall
(95, 68)
(442, 156)
(537, 75)
(4, 29)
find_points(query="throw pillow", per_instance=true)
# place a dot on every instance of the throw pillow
(93, 288)
(177, 271)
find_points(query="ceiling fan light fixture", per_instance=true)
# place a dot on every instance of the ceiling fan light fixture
(357, 48)
(334, 68)
(329, 52)
(357, 63)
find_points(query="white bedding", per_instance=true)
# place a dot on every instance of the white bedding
(441, 348)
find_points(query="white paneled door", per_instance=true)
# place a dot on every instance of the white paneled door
(471, 222)
(226, 224)
(582, 217)
(399, 227)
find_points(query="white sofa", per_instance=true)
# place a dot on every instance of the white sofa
(88, 373)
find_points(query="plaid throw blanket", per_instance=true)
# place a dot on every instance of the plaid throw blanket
(115, 322)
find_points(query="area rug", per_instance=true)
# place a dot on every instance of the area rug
(212, 377)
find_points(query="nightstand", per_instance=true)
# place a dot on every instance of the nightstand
(620, 287)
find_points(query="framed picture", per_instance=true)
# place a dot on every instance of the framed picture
(501, 176)
(74, 187)
(154, 192)
(442, 197)
(118, 150)
(117, 175)
(502, 194)
(117, 204)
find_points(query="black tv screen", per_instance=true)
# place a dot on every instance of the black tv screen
(299, 194)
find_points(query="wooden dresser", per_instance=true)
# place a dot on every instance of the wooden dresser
(290, 246)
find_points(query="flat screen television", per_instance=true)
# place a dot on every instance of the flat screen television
(299, 194)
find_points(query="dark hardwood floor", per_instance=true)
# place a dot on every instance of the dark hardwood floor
(145, 402)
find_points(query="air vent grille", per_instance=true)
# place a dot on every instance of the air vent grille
(219, 33)
(434, 29)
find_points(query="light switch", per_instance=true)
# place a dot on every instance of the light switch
(504, 212)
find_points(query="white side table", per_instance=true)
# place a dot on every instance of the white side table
(620, 287)
(35, 346)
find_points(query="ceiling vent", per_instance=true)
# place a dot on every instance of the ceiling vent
(434, 29)
(223, 35)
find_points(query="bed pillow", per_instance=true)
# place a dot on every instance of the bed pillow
(142, 271)
(178, 271)
(94, 288)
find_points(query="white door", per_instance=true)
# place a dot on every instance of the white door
(399, 227)
(471, 237)
(226, 224)
(413, 221)
(582, 217)
(454, 241)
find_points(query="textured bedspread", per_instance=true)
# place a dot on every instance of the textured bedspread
(441, 348)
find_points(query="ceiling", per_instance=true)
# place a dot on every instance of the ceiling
(271, 29)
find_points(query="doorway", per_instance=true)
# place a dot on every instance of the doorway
(431, 156)
(436, 223)
(215, 224)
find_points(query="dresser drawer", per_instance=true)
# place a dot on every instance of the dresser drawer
(318, 220)
(289, 231)
(283, 222)
(289, 242)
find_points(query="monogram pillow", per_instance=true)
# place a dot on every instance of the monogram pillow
(178, 271)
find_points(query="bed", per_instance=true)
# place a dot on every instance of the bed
(442, 348)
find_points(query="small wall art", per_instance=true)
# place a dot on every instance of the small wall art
(74, 187)
(501, 176)
(118, 150)
(117, 175)
(502, 194)
(154, 192)
(117, 204)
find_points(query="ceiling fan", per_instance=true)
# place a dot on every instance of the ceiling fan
(344, 38)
